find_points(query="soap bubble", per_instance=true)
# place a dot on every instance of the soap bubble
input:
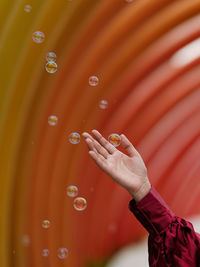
(129, 1)
(114, 139)
(93, 80)
(52, 120)
(45, 224)
(103, 104)
(27, 8)
(72, 191)
(45, 252)
(74, 138)
(51, 56)
(112, 227)
(80, 203)
(51, 67)
(38, 37)
(26, 240)
(62, 253)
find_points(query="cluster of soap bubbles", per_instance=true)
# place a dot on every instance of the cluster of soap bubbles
(80, 203)
(93, 81)
(62, 253)
(51, 66)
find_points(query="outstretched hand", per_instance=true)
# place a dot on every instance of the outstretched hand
(127, 170)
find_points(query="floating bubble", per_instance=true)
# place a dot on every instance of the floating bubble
(26, 240)
(62, 253)
(38, 37)
(27, 8)
(45, 252)
(51, 67)
(129, 1)
(114, 139)
(80, 203)
(103, 104)
(93, 80)
(52, 120)
(72, 191)
(51, 56)
(74, 138)
(45, 224)
(112, 227)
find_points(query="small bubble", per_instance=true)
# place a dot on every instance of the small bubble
(103, 104)
(45, 252)
(74, 138)
(80, 203)
(129, 1)
(52, 120)
(45, 224)
(27, 8)
(38, 37)
(26, 240)
(114, 139)
(51, 67)
(93, 80)
(62, 253)
(51, 56)
(72, 191)
(112, 227)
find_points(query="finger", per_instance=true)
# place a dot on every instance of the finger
(108, 146)
(87, 135)
(128, 146)
(90, 145)
(98, 159)
(97, 148)
(96, 144)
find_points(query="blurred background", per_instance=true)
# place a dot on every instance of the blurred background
(118, 66)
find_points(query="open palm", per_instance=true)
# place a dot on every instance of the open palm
(127, 170)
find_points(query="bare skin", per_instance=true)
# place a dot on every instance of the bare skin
(127, 170)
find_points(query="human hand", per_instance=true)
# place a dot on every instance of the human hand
(127, 170)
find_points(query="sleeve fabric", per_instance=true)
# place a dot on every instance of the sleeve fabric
(172, 241)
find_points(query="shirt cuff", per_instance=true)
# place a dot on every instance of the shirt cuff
(152, 212)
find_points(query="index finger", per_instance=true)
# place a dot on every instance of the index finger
(107, 145)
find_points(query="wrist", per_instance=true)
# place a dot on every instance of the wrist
(142, 192)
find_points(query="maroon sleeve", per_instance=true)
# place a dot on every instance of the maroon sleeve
(172, 240)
